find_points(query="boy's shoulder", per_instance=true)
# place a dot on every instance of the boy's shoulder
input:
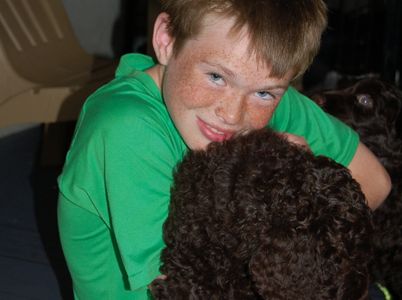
(125, 100)
(131, 91)
(292, 94)
(125, 114)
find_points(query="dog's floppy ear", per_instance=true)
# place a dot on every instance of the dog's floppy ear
(259, 268)
(278, 267)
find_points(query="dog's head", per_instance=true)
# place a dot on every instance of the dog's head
(256, 217)
(372, 108)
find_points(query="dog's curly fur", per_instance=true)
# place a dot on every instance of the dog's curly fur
(372, 107)
(258, 218)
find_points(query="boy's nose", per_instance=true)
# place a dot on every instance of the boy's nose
(230, 110)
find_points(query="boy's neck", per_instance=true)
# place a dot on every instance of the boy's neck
(156, 73)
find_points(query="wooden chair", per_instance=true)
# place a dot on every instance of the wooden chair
(45, 75)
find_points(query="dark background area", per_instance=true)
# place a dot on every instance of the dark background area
(363, 37)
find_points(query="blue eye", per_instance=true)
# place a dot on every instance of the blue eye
(264, 95)
(215, 78)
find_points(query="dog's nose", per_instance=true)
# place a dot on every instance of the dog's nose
(319, 99)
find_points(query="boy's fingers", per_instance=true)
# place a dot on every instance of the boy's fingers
(163, 277)
(296, 139)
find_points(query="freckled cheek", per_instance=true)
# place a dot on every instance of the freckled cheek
(195, 96)
(190, 91)
(259, 117)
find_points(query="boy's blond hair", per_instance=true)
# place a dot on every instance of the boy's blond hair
(285, 34)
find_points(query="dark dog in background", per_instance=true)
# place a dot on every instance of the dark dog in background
(259, 218)
(372, 107)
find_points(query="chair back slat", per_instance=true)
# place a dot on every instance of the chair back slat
(50, 12)
(35, 21)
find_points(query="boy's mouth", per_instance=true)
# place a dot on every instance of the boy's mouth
(213, 133)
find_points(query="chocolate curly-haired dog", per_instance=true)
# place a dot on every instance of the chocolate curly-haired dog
(258, 218)
(372, 107)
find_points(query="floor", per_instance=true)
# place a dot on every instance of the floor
(31, 261)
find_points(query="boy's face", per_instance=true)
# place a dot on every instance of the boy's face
(215, 88)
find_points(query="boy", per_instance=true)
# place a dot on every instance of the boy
(223, 66)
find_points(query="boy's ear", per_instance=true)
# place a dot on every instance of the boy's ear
(162, 41)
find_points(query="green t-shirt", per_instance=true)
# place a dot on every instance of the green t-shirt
(119, 171)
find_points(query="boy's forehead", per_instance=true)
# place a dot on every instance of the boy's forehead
(218, 28)
(225, 41)
(236, 36)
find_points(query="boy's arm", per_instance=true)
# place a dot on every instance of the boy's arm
(138, 201)
(373, 178)
(131, 161)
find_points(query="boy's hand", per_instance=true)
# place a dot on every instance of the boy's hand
(296, 139)
(162, 277)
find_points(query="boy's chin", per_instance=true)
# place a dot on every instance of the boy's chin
(200, 144)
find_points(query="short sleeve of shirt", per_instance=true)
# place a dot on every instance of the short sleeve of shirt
(325, 134)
